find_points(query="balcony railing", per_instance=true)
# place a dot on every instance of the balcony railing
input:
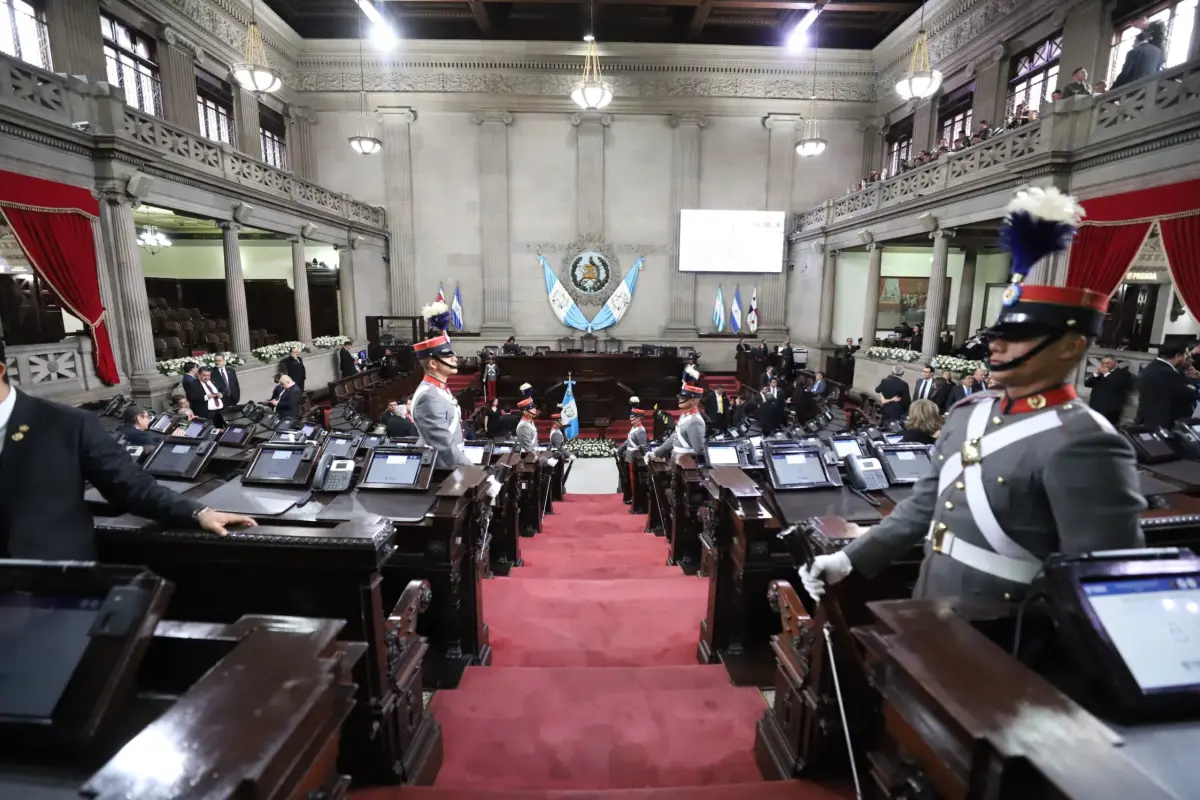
(1068, 125)
(99, 110)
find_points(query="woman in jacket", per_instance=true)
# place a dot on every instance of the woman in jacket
(924, 422)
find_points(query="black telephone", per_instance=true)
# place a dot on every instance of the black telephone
(333, 474)
(865, 474)
(1187, 437)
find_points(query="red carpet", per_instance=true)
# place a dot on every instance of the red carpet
(594, 690)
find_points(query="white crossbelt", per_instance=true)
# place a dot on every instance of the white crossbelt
(1006, 559)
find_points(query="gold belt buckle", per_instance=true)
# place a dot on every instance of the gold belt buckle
(939, 536)
(970, 453)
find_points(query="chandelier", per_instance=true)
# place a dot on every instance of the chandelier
(253, 73)
(153, 239)
(921, 80)
(592, 92)
(363, 142)
(812, 144)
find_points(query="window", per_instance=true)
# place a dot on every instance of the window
(899, 145)
(1179, 17)
(130, 59)
(23, 33)
(214, 103)
(272, 133)
(954, 114)
(1035, 75)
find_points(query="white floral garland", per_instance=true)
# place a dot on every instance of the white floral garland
(276, 352)
(893, 354)
(591, 448)
(174, 366)
(960, 366)
(330, 342)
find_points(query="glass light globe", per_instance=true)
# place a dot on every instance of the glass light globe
(257, 78)
(810, 147)
(919, 84)
(591, 94)
(365, 145)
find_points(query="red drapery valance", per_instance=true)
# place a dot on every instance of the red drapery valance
(1116, 226)
(53, 224)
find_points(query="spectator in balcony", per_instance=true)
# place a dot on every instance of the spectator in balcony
(963, 142)
(983, 130)
(1079, 84)
(1147, 56)
(1056, 95)
(1100, 88)
(942, 149)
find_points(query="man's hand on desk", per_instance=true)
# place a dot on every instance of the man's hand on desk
(829, 569)
(215, 521)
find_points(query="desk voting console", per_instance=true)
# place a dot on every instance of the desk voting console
(102, 697)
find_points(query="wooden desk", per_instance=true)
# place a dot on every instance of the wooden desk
(686, 496)
(505, 549)
(657, 477)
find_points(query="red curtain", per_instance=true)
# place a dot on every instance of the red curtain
(1101, 255)
(53, 224)
(1181, 241)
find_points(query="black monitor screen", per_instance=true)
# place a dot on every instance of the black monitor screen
(475, 453)
(722, 456)
(235, 435)
(362, 355)
(370, 441)
(276, 465)
(1154, 446)
(163, 423)
(799, 469)
(194, 428)
(308, 430)
(171, 459)
(893, 438)
(908, 466)
(340, 447)
(394, 469)
(847, 447)
(42, 641)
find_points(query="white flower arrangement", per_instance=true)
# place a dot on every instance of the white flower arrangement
(330, 342)
(892, 354)
(174, 366)
(591, 448)
(276, 352)
(959, 366)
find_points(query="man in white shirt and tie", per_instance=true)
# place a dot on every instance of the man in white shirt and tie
(214, 402)
(924, 388)
(226, 380)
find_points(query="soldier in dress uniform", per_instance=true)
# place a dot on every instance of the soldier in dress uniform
(434, 410)
(557, 437)
(527, 438)
(491, 373)
(689, 431)
(1023, 472)
(629, 450)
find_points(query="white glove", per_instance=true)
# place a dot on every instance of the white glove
(825, 570)
(648, 457)
(553, 462)
(493, 486)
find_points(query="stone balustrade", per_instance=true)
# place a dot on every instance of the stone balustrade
(55, 368)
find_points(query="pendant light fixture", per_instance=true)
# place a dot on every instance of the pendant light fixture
(812, 144)
(363, 142)
(152, 239)
(254, 74)
(592, 92)
(921, 80)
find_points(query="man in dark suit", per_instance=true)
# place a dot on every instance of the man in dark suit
(924, 388)
(894, 395)
(766, 378)
(716, 409)
(226, 380)
(213, 401)
(964, 390)
(288, 404)
(1164, 394)
(820, 386)
(399, 424)
(293, 365)
(347, 363)
(47, 453)
(135, 427)
(192, 389)
(770, 412)
(1110, 385)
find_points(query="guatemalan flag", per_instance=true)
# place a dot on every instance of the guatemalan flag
(752, 314)
(570, 411)
(735, 311)
(456, 308)
(719, 311)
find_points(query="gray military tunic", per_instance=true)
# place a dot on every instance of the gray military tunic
(439, 424)
(527, 441)
(687, 438)
(634, 443)
(557, 439)
(1008, 490)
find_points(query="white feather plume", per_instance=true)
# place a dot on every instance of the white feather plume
(1048, 204)
(692, 372)
(435, 308)
(525, 386)
(635, 399)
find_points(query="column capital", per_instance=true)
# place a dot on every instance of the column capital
(595, 117)
(873, 246)
(301, 114)
(688, 120)
(872, 124)
(397, 115)
(114, 195)
(942, 233)
(772, 121)
(297, 239)
(833, 253)
(173, 37)
(502, 117)
(229, 225)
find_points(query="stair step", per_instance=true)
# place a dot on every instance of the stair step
(775, 790)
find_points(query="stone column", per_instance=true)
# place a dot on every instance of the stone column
(300, 144)
(300, 290)
(935, 302)
(116, 222)
(685, 193)
(828, 284)
(1194, 51)
(781, 166)
(924, 123)
(398, 189)
(589, 175)
(114, 319)
(991, 89)
(346, 291)
(872, 144)
(76, 45)
(245, 123)
(871, 310)
(177, 69)
(1087, 40)
(966, 297)
(235, 288)
(494, 221)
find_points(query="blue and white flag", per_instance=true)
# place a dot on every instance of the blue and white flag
(456, 308)
(568, 311)
(752, 314)
(570, 411)
(719, 311)
(735, 311)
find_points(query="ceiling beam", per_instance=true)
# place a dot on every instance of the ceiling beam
(883, 6)
(480, 12)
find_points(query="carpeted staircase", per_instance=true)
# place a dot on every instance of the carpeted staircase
(594, 690)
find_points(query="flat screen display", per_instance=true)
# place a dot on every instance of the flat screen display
(370, 441)
(798, 469)
(731, 241)
(501, 449)
(893, 438)
(308, 430)
(756, 442)
(475, 453)
(194, 428)
(276, 465)
(235, 434)
(163, 423)
(722, 456)
(394, 469)
(846, 447)
(908, 466)
(340, 447)
(171, 459)
(42, 641)
(1154, 623)
(362, 355)
(1154, 446)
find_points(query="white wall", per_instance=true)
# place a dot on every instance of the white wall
(261, 260)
